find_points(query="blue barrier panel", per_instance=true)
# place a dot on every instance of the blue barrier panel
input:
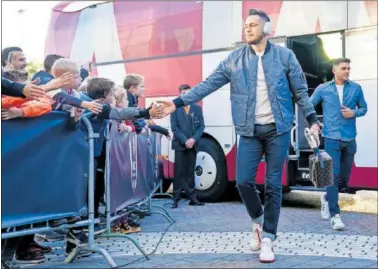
(132, 168)
(44, 170)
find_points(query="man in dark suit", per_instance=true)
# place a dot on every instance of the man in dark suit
(187, 126)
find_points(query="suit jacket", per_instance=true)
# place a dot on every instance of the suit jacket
(185, 126)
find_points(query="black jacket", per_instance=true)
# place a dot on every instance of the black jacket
(185, 126)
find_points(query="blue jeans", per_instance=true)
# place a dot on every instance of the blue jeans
(250, 151)
(342, 153)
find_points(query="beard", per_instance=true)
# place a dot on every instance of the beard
(256, 41)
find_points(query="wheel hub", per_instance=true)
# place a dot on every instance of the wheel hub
(199, 171)
(205, 171)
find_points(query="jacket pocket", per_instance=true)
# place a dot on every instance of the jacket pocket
(285, 108)
(239, 106)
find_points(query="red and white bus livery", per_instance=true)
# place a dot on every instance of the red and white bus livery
(176, 42)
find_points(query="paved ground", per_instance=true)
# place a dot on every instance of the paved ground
(217, 236)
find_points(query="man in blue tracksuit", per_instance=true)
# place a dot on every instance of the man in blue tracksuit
(342, 102)
(263, 78)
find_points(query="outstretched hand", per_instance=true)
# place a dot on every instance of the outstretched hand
(33, 91)
(156, 112)
(168, 107)
(60, 82)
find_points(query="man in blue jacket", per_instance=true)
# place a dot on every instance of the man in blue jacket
(342, 102)
(263, 78)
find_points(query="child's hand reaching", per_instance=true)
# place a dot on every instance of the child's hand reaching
(150, 122)
(11, 113)
(93, 106)
(60, 82)
(123, 128)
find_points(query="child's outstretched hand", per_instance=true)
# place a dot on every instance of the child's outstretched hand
(11, 113)
(60, 82)
(123, 128)
(93, 106)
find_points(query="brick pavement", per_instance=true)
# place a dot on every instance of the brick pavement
(217, 235)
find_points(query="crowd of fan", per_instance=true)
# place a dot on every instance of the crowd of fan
(64, 86)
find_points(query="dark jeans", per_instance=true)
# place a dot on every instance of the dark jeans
(250, 152)
(342, 153)
(185, 162)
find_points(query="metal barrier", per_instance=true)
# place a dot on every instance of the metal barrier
(109, 218)
(90, 222)
(91, 247)
(149, 181)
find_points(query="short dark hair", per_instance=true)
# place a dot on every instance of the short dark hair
(262, 14)
(132, 80)
(5, 54)
(49, 61)
(184, 87)
(98, 88)
(15, 75)
(338, 61)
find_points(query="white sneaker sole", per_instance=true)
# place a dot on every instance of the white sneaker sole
(267, 261)
(337, 228)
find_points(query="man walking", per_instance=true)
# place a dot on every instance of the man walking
(263, 76)
(187, 126)
(342, 102)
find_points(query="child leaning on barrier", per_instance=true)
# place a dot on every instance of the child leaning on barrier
(14, 107)
(102, 90)
(121, 101)
(134, 86)
(61, 67)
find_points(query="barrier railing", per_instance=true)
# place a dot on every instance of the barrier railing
(60, 165)
(48, 190)
(140, 172)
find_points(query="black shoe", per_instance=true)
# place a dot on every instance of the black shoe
(196, 203)
(133, 223)
(72, 220)
(70, 247)
(43, 249)
(77, 237)
(57, 222)
(133, 217)
(31, 255)
(141, 212)
(174, 204)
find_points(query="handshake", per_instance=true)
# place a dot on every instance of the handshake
(161, 109)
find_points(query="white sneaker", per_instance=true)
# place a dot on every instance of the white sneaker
(256, 237)
(266, 253)
(324, 211)
(337, 223)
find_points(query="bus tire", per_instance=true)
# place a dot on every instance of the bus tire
(210, 171)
